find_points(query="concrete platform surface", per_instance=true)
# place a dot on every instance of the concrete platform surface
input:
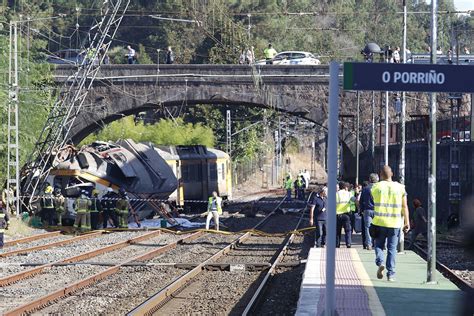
(359, 292)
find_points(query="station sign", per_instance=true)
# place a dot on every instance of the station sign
(408, 77)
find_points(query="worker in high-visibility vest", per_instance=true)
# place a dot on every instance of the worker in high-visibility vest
(343, 210)
(81, 205)
(390, 209)
(269, 53)
(214, 209)
(47, 206)
(122, 208)
(288, 184)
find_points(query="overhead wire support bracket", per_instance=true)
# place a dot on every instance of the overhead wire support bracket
(55, 132)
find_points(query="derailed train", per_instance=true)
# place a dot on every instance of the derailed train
(179, 174)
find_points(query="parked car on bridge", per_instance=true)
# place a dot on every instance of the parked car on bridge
(66, 57)
(292, 58)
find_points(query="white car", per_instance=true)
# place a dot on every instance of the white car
(292, 58)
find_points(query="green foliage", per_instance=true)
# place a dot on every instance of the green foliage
(165, 132)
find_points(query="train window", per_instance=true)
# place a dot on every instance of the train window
(213, 172)
(223, 172)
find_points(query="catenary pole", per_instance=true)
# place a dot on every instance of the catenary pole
(431, 275)
(357, 138)
(372, 139)
(401, 165)
(386, 117)
(333, 140)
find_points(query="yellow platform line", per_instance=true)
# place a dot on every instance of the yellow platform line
(375, 305)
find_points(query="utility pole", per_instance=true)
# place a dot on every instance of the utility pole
(228, 133)
(431, 273)
(13, 163)
(372, 139)
(386, 117)
(401, 165)
(249, 27)
(357, 138)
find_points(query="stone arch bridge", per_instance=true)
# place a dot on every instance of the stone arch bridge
(122, 90)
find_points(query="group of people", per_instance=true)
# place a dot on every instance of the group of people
(382, 205)
(132, 55)
(92, 212)
(299, 185)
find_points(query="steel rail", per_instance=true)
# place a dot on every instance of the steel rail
(51, 245)
(69, 289)
(260, 290)
(153, 303)
(31, 238)
(10, 279)
(447, 272)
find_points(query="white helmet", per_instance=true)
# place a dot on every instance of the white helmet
(109, 189)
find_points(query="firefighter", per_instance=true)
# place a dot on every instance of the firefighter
(108, 204)
(47, 206)
(95, 209)
(59, 205)
(122, 208)
(82, 205)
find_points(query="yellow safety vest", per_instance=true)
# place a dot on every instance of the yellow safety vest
(343, 199)
(352, 202)
(218, 204)
(3, 223)
(288, 184)
(388, 198)
(269, 53)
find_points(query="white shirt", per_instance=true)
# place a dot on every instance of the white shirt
(131, 52)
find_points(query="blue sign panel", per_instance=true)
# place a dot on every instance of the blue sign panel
(408, 77)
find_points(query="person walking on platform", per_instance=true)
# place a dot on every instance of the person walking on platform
(390, 205)
(214, 209)
(47, 206)
(366, 206)
(95, 209)
(317, 205)
(108, 204)
(81, 205)
(288, 184)
(122, 208)
(421, 223)
(59, 205)
(343, 200)
(4, 218)
(352, 206)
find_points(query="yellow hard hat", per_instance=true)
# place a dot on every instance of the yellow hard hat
(95, 191)
(49, 189)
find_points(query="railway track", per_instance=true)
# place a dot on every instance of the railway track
(446, 271)
(30, 238)
(97, 281)
(203, 290)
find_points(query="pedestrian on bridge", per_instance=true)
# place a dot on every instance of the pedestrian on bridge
(131, 55)
(169, 56)
(214, 209)
(269, 53)
(390, 208)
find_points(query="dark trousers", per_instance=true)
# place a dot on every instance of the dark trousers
(301, 194)
(344, 220)
(413, 234)
(288, 194)
(94, 220)
(1, 240)
(108, 214)
(320, 239)
(48, 215)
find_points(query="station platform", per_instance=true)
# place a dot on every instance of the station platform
(359, 292)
